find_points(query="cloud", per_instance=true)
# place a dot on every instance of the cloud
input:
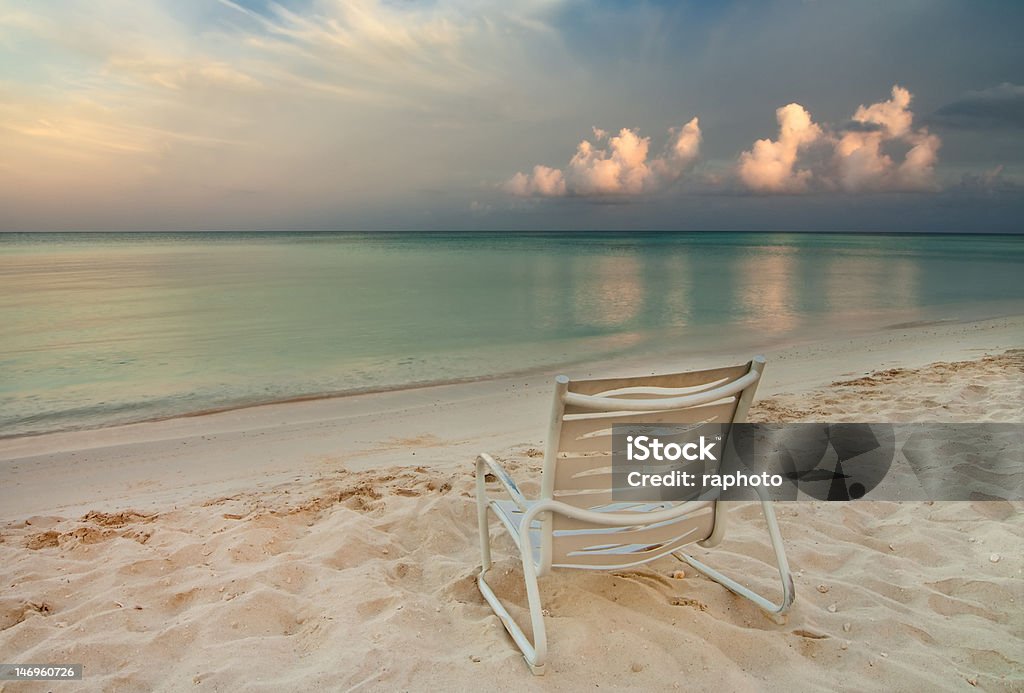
(545, 181)
(180, 73)
(152, 114)
(999, 107)
(877, 150)
(861, 160)
(862, 152)
(860, 126)
(362, 113)
(682, 150)
(892, 116)
(769, 165)
(622, 168)
(993, 183)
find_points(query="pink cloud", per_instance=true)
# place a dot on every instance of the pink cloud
(878, 150)
(861, 154)
(769, 166)
(860, 157)
(624, 167)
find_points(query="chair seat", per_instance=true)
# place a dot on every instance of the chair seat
(511, 516)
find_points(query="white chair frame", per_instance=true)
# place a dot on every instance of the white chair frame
(534, 534)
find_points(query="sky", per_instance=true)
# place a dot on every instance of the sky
(544, 114)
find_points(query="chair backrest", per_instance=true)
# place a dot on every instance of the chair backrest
(578, 460)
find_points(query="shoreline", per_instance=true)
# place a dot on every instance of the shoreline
(655, 351)
(178, 459)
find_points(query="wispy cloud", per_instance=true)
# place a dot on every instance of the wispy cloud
(312, 107)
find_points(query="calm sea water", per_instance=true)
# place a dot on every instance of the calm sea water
(109, 328)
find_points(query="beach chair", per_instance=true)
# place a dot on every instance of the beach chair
(575, 523)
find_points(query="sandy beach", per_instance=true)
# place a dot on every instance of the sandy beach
(275, 275)
(331, 544)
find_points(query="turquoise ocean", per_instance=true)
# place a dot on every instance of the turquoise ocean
(107, 328)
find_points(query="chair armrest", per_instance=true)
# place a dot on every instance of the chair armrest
(485, 463)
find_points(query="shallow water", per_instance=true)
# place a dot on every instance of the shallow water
(111, 328)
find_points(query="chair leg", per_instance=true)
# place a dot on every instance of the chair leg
(534, 653)
(777, 611)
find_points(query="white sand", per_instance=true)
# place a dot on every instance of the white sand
(332, 544)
